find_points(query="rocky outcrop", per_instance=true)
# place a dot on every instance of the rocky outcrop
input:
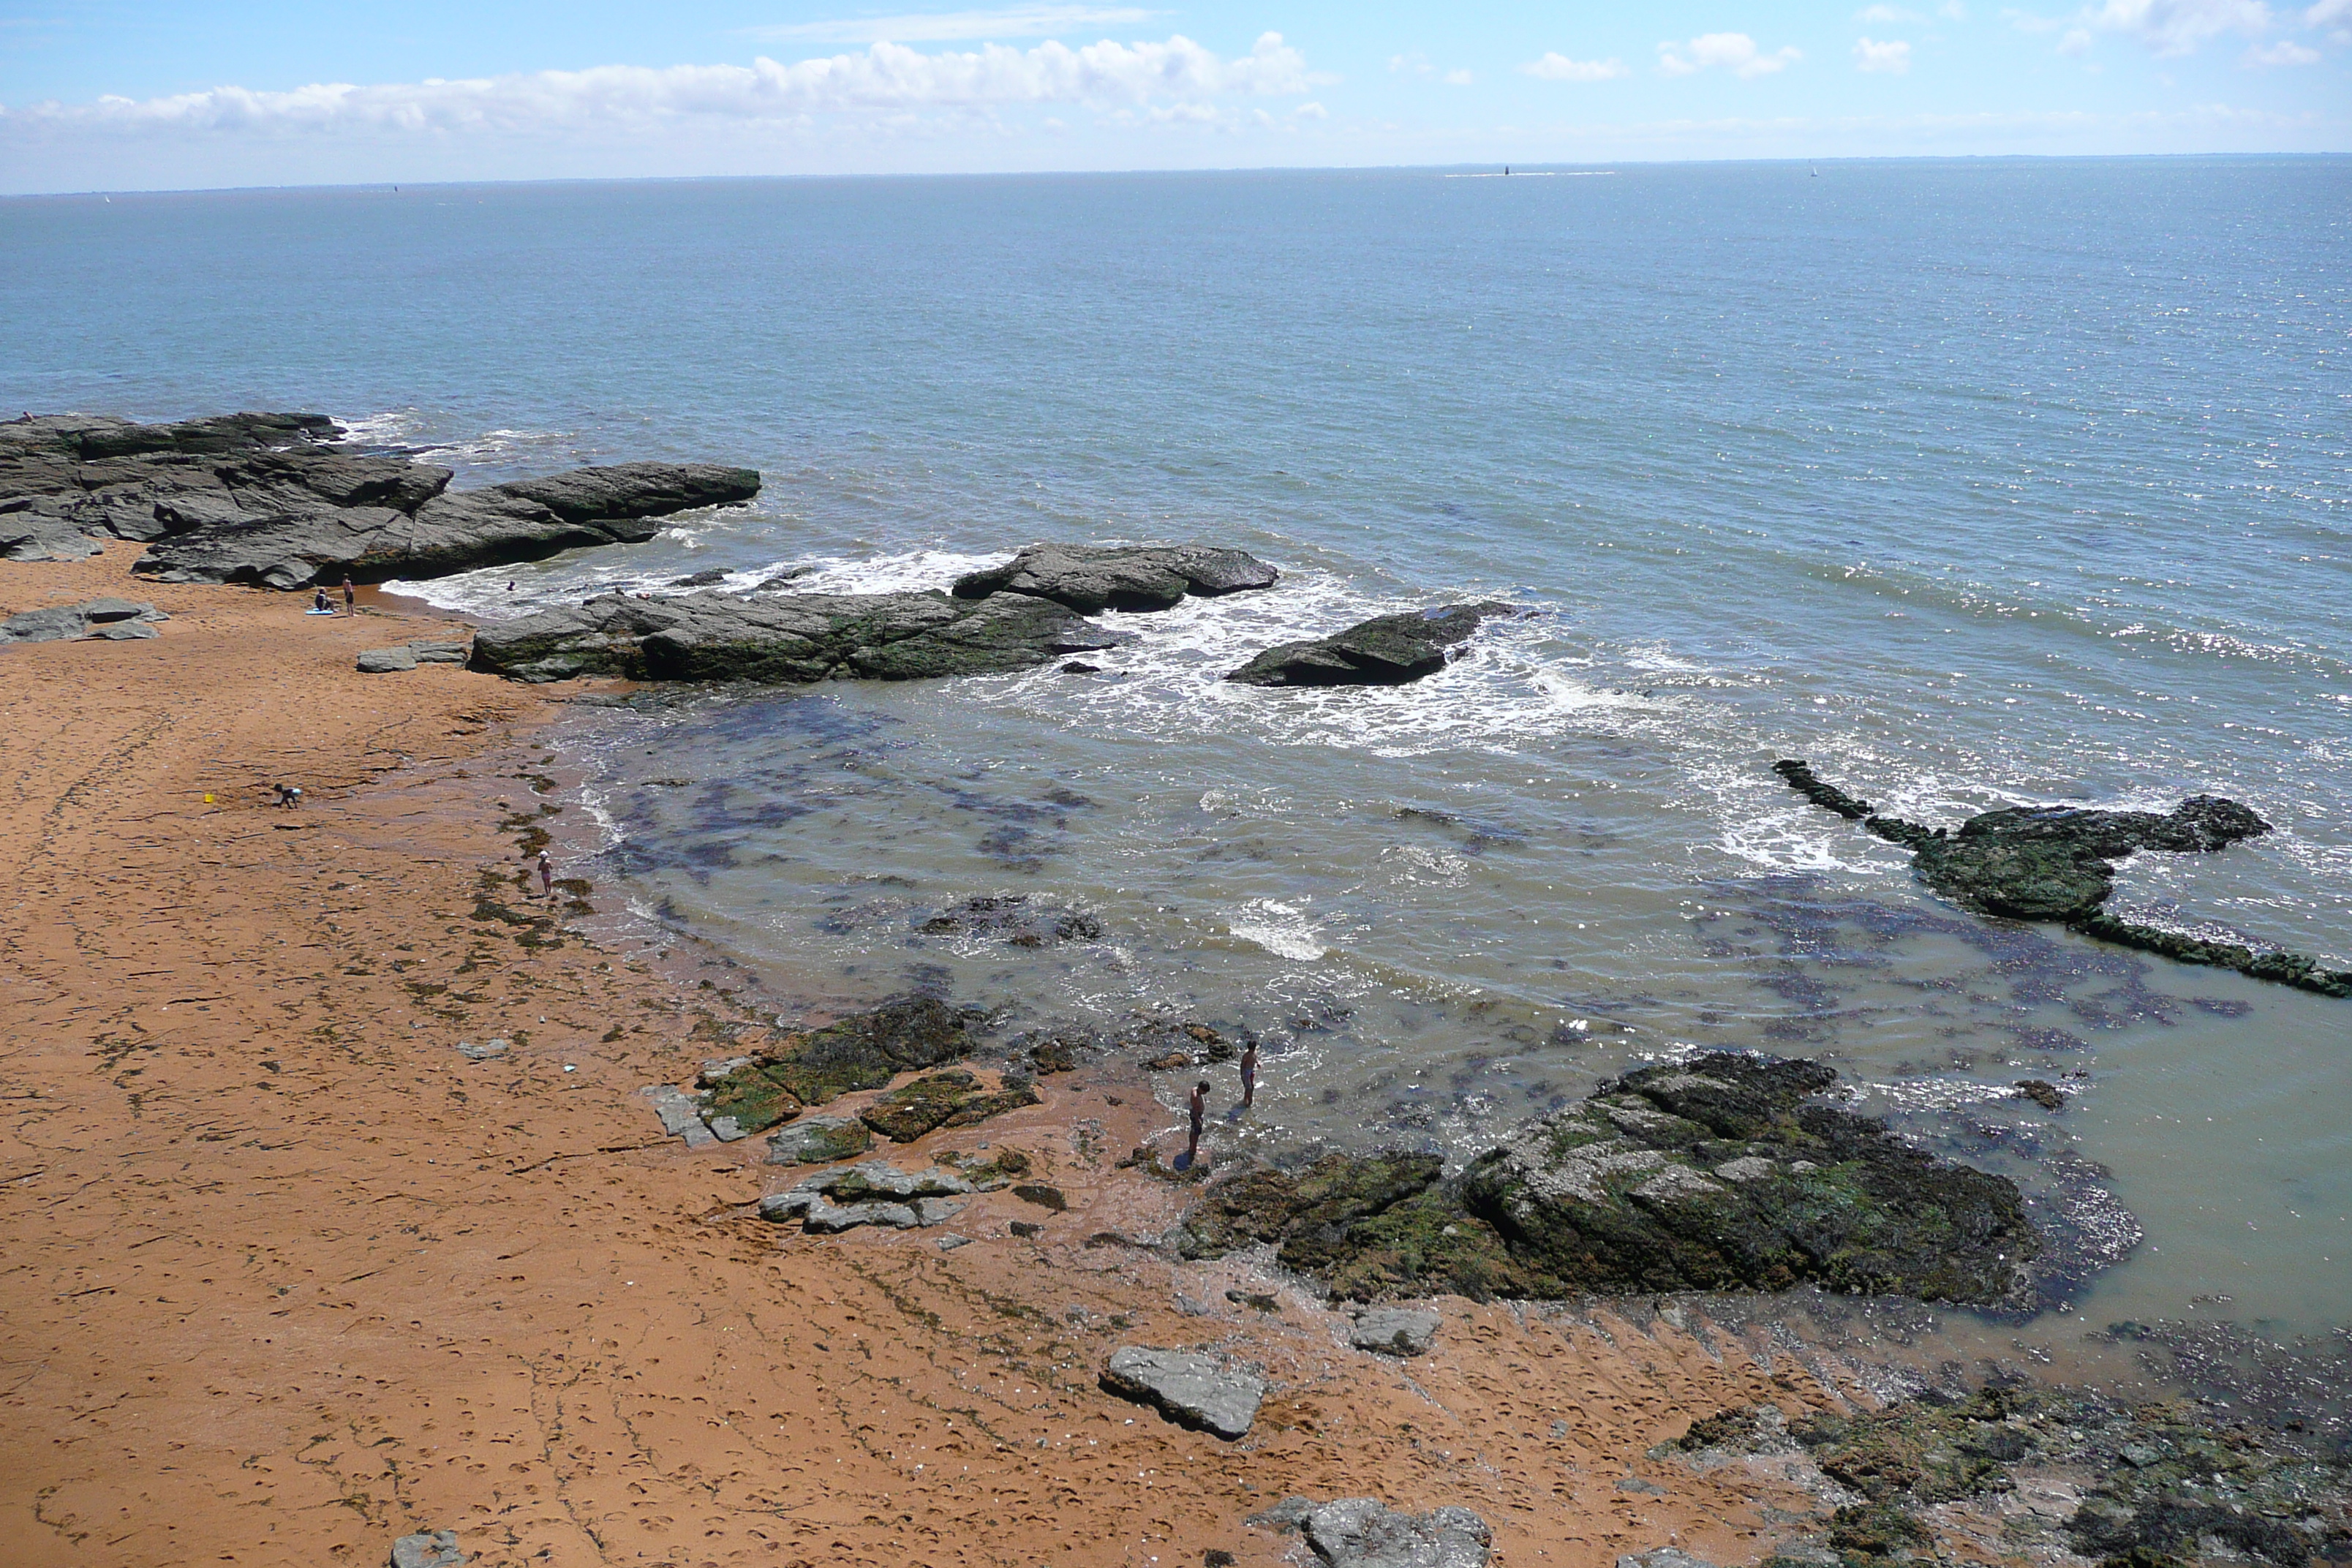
(785, 638)
(873, 1192)
(1014, 918)
(1719, 1175)
(1362, 1532)
(1387, 650)
(2057, 863)
(109, 620)
(272, 499)
(1091, 578)
(2136, 1481)
(1190, 1388)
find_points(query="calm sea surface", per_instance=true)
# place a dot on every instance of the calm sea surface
(1976, 483)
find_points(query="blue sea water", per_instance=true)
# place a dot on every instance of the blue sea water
(1974, 482)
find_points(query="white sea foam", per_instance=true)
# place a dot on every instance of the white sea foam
(1281, 929)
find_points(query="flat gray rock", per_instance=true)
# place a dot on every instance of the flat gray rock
(820, 1141)
(1091, 578)
(1361, 1532)
(1190, 1388)
(680, 1116)
(1387, 650)
(825, 1217)
(1663, 1557)
(441, 652)
(107, 619)
(1395, 1331)
(777, 638)
(436, 1550)
(386, 660)
(489, 1050)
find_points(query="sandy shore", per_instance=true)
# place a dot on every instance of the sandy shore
(287, 1277)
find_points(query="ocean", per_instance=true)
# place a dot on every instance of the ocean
(1974, 482)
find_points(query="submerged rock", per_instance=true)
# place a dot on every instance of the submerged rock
(1717, 1174)
(1387, 650)
(1091, 578)
(103, 619)
(1191, 1389)
(1362, 1532)
(952, 1099)
(273, 499)
(1012, 918)
(2057, 863)
(785, 637)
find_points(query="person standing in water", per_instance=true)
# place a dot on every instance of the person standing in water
(1249, 1074)
(546, 877)
(1200, 1108)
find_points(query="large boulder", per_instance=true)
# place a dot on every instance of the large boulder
(1722, 1174)
(785, 637)
(2057, 863)
(1387, 650)
(1091, 578)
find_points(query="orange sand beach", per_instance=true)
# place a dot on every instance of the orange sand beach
(288, 1278)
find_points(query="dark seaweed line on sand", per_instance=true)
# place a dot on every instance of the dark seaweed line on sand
(2057, 863)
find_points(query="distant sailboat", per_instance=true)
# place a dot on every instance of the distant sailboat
(1816, 168)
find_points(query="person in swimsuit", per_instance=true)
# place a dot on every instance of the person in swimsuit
(1199, 1113)
(319, 602)
(350, 597)
(1249, 1074)
(546, 877)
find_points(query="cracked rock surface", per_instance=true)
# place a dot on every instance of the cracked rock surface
(1362, 1532)
(1190, 1388)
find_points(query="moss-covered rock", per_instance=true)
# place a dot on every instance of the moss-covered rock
(751, 1094)
(952, 1099)
(1717, 1174)
(2057, 863)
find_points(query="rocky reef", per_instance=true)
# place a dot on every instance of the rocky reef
(2057, 863)
(786, 637)
(1723, 1173)
(1091, 578)
(2133, 1485)
(1387, 650)
(275, 500)
(105, 620)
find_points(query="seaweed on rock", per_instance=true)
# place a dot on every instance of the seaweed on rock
(2057, 863)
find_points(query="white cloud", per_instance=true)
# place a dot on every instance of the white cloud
(1736, 51)
(1886, 14)
(2077, 41)
(1311, 111)
(1955, 10)
(2179, 27)
(2282, 53)
(1010, 22)
(2335, 13)
(1459, 79)
(887, 76)
(1894, 58)
(1560, 67)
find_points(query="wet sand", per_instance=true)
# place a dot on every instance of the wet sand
(288, 1277)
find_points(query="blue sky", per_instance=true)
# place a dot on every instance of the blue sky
(135, 94)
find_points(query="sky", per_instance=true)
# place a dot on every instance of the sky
(187, 94)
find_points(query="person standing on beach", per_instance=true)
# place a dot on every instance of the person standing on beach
(546, 877)
(350, 597)
(1200, 1114)
(1249, 1074)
